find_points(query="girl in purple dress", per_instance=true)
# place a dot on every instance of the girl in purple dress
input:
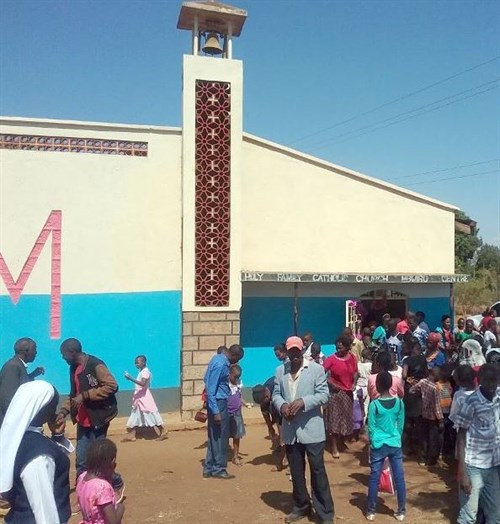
(234, 403)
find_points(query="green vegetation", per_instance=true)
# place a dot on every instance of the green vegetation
(482, 262)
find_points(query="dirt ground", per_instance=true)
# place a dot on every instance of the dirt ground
(164, 484)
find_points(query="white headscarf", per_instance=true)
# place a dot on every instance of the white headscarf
(29, 399)
(471, 353)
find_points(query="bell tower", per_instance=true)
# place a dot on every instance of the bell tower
(212, 129)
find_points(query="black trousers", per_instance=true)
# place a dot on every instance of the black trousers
(448, 437)
(431, 439)
(320, 487)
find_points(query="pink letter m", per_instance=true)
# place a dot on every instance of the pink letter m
(15, 287)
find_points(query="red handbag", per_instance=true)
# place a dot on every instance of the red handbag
(385, 484)
(201, 416)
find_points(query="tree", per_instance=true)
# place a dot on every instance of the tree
(465, 246)
(476, 295)
(483, 263)
(489, 258)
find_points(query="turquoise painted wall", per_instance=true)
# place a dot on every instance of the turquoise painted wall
(114, 327)
(434, 309)
(266, 321)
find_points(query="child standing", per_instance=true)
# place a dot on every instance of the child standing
(364, 371)
(386, 416)
(317, 354)
(234, 402)
(432, 418)
(465, 378)
(445, 391)
(414, 370)
(144, 410)
(394, 339)
(96, 497)
(478, 442)
(458, 332)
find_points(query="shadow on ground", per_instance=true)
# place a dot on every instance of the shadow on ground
(278, 500)
(263, 459)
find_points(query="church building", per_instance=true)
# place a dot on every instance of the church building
(170, 242)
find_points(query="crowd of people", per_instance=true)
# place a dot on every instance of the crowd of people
(408, 390)
(401, 387)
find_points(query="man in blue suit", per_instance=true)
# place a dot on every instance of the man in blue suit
(299, 392)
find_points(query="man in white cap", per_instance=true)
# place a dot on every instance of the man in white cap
(299, 392)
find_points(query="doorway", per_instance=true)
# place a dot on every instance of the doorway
(380, 301)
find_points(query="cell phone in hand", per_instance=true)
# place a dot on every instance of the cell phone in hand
(122, 496)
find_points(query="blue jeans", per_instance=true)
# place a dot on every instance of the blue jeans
(485, 492)
(84, 437)
(377, 458)
(218, 441)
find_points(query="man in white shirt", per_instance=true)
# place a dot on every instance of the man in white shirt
(490, 335)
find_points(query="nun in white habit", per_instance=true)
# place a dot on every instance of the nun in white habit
(34, 469)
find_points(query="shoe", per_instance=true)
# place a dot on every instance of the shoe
(399, 516)
(295, 516)
(223, 476)
(206, 475)
(370, 517)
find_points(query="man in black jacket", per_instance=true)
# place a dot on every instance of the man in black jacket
(14, 372)
(91, 402)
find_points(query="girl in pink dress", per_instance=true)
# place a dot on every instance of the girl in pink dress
(96, 497)
(144, 410)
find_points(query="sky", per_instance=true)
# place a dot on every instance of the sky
(405, 91)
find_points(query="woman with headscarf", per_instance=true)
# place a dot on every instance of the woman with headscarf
(433, 354)
(471, 353)
(34, 473)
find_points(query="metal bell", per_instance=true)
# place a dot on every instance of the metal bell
(212, 45)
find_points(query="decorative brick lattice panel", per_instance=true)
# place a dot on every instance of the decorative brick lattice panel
(212, 194)
(68, 144)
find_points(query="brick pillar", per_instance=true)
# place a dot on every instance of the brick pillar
(202, 334)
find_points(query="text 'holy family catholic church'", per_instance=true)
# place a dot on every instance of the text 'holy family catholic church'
(171, 242)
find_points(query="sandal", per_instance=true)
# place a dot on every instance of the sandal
(237, 461)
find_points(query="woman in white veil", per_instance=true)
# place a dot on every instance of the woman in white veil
(471, 354)
(34, 471)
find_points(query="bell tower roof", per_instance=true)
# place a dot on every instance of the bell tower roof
(209, 15)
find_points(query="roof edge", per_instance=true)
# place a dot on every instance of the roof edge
(348, 172)
(81, 124)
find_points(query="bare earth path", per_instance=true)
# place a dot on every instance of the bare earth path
(164, 484)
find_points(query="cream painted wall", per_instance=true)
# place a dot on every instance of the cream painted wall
(121, 216)
(300, 215)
